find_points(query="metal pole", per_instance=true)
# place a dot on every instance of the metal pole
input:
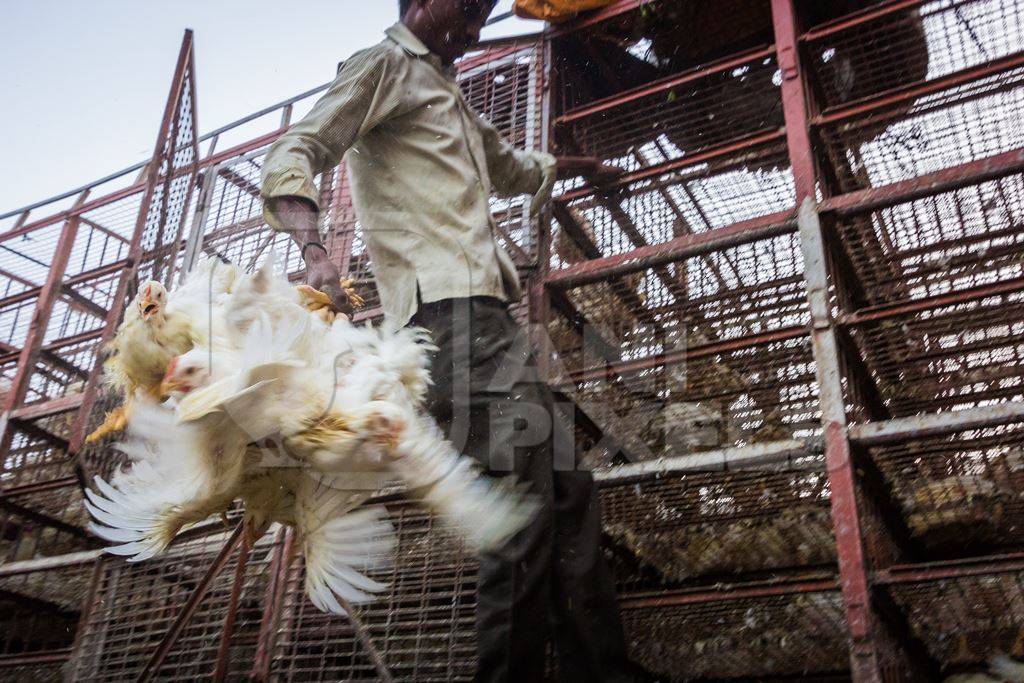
(276, 589)
(364, 637)
(48, 296)
(198, 593)
(135, 248)
(867, 656)
(220, 672)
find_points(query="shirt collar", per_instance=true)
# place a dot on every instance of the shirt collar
(401, 34)
(408, 41)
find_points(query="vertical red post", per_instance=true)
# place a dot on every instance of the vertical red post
(220, 672)
(48, 295)
(868, 634)
(538, 303)
(276, 589)
(160, 153)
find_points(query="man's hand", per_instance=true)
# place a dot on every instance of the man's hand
(323, 275)
(592, 168)
(299, 219)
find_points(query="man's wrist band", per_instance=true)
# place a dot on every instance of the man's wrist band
(307, 245)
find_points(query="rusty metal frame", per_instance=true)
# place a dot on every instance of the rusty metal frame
(192, 604)
(186, 61)
(843, 444)
(48, 295)
(865, 622)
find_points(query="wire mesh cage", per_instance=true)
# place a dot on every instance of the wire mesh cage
(680, 325)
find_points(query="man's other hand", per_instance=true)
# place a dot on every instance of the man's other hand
(323, 275)
(299, 219)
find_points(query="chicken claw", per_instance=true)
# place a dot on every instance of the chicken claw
(114, 423)
(320, 304)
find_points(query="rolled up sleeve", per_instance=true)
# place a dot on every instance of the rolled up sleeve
(513, 171)
(362, 96)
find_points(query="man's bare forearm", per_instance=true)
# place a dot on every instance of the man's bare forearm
(299, 219)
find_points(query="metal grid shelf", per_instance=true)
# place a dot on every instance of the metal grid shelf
(959, 493)
(132, 606)
(713, 528)
(963, 613)
(680, 116)
(928, 287)
(793, 630)
(423, 625)
(957, 240)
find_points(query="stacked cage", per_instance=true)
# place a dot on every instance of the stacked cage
(789, 335)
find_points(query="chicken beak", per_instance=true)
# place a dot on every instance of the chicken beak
(148, 304)
(169, 384)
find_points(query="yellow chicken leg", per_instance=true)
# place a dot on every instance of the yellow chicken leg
(114, 423)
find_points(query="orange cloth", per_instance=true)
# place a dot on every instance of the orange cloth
(556, 11)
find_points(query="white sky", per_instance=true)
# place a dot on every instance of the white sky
(84, 81)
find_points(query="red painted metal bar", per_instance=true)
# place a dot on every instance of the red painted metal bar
(105, 230)
(191, 605)
(664, 84)
(273, 602)
(955, 569)
(48, 295)
(730, 149)
(625, 368)
(39, 486)
(862, 17)
(48, 349)
(731, 593)
(691, 244)
(220, 672)
(91, 392)
(864, 624)
(47, 408)
(538, 300)
(888, 99)
(65, 215)
(928, 303)
(937, 182)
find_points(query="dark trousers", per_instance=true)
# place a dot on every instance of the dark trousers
(550, 580)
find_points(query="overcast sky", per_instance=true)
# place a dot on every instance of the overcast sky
(84, 81)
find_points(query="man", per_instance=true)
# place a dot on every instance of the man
(422, 165)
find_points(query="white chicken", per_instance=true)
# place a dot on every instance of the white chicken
(344, 406)
(156, 328)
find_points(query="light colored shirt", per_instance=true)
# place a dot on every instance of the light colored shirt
(422, 165)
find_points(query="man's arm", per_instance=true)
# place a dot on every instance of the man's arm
(362, 96)
(515, 172)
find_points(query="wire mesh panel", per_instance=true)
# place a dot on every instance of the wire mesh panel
(42, 523)
(704, 352)
(39, 613)
(676, 530)
(423, 625)
(39, 458)
(963, 112)
(960, 494)
(939, 314)
(135, 604)
(964, 620)
(800, 635)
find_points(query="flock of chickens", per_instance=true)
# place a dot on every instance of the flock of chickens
(237, 387)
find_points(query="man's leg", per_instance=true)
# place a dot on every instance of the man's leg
(483, 404)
